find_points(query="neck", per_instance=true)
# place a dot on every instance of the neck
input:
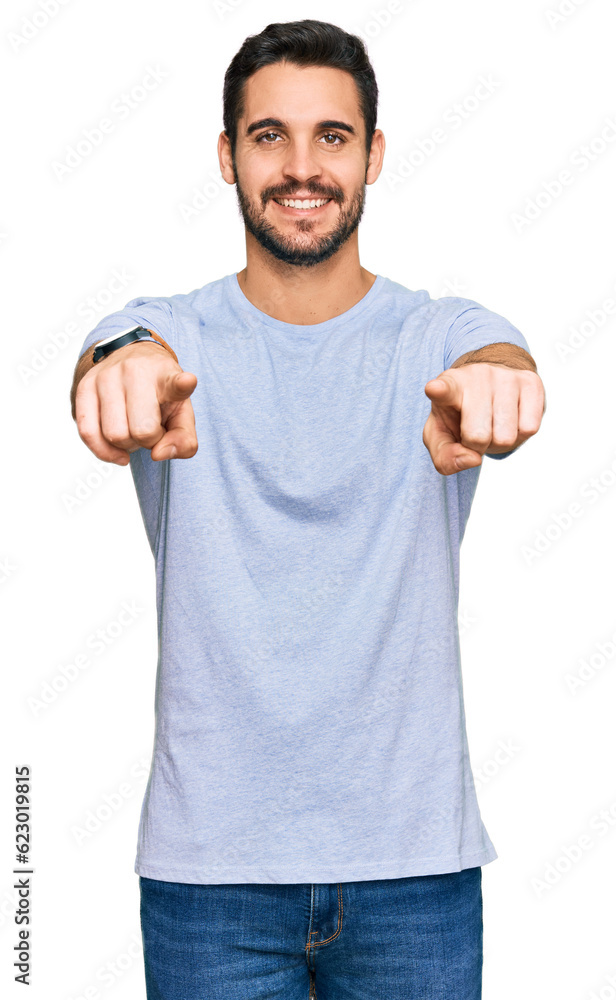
(301, 295)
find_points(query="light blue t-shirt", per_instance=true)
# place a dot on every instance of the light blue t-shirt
(310, 724)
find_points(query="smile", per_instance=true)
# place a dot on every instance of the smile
(304, 206)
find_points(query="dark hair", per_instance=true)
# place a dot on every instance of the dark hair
(305, 43)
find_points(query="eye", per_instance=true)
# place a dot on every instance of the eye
(334, 135)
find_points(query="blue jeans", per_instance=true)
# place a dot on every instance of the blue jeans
(415, 938)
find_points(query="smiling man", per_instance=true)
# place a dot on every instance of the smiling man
(275, 216)
(305, 439)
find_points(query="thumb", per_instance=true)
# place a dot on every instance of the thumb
(178, 386)
(437, 387)
(444, 391)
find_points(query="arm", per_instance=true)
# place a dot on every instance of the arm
(509, 355)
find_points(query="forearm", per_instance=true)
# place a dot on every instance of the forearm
(509, 355)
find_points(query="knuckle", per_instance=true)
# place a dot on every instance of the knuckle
(115, 438)
(505, 435)
(85, 431)
(144, 429)
(477, 440)
(438, 464)
(527, 430)
(504, 440)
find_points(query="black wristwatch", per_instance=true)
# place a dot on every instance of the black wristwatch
(121, 339)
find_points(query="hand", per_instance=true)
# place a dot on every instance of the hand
(137, 397)
(480, 408)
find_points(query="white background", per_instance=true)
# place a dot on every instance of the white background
(530, 613)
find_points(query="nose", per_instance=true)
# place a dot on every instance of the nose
(301, 163)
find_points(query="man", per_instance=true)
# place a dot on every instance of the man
(305, 471)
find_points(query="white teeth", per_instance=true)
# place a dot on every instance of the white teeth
(308, 203)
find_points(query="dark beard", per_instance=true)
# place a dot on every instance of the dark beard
(284, 248)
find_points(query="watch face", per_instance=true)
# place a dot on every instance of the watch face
(120, 333)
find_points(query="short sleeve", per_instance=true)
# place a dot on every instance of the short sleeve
(153, 313)
(474, 326)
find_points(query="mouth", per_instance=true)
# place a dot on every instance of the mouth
(302, 206)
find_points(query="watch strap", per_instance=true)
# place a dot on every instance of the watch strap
(130, 336)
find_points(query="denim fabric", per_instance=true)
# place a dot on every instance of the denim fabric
(415, 938)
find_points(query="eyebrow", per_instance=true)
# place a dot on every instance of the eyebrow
(276, 123)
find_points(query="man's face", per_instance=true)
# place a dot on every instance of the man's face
(285, 151)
